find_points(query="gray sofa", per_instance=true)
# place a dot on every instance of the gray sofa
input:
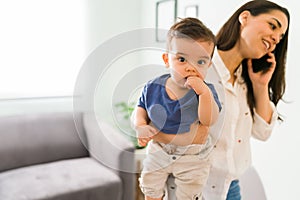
(43, 156)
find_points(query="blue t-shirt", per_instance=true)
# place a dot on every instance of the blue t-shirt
(167, 115)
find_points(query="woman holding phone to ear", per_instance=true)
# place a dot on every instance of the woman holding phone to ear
(257, 28)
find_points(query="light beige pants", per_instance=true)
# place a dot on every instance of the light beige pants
(184, 162)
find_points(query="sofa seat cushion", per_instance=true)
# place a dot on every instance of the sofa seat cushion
(74, 179)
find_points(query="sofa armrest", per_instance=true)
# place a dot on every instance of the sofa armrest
(113, 150)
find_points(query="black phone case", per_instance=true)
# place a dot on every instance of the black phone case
(261, 64)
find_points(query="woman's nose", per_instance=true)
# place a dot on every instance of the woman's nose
(276, 38)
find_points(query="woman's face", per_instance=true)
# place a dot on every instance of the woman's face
(260, 34)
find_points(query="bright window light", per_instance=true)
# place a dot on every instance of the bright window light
(42, 47)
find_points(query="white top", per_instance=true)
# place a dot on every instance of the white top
(232, 155)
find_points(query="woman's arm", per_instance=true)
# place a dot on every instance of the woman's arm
(260, 81)
(265, 113)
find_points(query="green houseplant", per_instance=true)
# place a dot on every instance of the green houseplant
(125, 110)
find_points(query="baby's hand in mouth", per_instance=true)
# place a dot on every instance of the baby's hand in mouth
(195, 83)
(189, 80)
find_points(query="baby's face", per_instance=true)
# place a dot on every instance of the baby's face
(189, 58)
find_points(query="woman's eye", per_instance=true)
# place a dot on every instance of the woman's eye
(273, 27)
(181, 59)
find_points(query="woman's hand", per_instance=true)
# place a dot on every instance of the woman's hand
(262, 78)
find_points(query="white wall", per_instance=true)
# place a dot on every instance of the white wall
(106, 21)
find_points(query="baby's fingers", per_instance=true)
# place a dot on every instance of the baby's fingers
(143, 142)
(152, 131)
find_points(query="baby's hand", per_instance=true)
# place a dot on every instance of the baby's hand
(144, 134)
(197, 84)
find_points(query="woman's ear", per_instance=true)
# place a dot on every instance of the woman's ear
(165, 57)
(243, 17)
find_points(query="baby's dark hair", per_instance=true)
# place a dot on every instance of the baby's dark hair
(191, 28)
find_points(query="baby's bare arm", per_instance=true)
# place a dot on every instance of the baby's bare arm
(140, 123)
(208, 110)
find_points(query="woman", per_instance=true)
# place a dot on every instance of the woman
(255, 29)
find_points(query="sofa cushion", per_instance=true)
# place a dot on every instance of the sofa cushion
(75, 179)
(40, 138)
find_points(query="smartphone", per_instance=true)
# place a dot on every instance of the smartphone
(261, 64)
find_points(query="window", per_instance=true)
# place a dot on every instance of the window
(42, 47)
